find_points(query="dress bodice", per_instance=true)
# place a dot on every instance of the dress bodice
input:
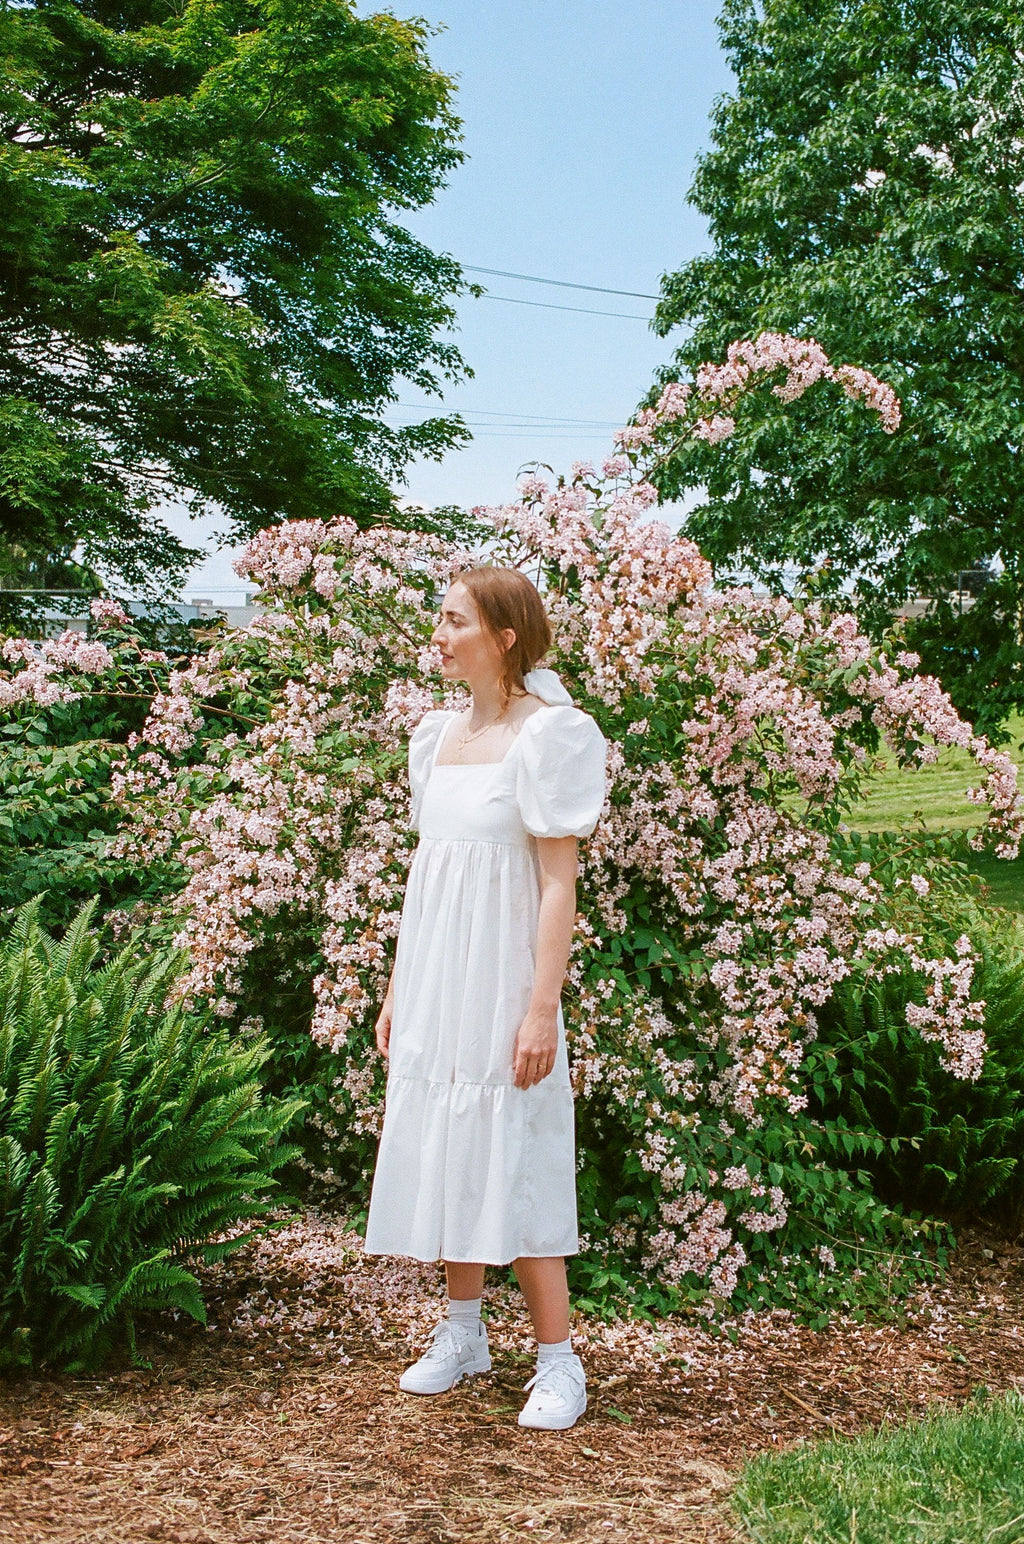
(550, 782)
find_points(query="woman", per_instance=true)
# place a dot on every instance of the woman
(476, 1163)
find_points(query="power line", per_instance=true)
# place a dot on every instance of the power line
(532, 278)
(511, 412)
(537, 432)
(514, 421)
(546, 305)
(482, 427)
(543, 426)
(478, 429)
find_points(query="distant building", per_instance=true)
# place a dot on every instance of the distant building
(68, 611)
(962, 600)
(235, 616)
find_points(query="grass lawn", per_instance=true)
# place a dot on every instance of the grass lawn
(951, 1478)
(933, 798)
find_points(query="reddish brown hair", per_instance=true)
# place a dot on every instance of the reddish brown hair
(506, 598)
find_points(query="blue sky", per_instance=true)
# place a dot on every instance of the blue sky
(582, 121)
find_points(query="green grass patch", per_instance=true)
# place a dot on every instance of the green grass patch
(934, 798)
(935, 792)
(1004, 882)
(951, 1478)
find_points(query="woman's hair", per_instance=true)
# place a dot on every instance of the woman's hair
(506, 598)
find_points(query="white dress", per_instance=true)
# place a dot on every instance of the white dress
(470, 1167)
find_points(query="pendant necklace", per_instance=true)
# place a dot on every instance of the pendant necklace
(467, 737)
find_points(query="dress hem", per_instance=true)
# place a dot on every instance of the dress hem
(439, 1259)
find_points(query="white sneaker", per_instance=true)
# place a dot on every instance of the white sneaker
(558, 1397)
(458, 1351)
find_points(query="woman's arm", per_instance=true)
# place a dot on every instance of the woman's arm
(382, 1028)
(537, 1040)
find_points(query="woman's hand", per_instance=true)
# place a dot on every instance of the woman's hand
(535, 1047)
(382, 1028)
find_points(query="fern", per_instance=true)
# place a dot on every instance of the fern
(132, 1136)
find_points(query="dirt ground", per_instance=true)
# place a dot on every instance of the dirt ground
(282, 1421)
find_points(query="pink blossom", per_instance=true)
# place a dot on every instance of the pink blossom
(715, 429)
(108, 613)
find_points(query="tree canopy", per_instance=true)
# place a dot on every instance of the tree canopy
(864, 187)
(206, 291)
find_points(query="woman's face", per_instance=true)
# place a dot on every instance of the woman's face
(469, 652)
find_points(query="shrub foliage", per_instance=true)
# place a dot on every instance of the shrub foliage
(722, 898)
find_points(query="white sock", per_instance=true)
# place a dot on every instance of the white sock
(465, 1309)
(552, 1350)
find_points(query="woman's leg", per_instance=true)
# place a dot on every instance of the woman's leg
(546, 1292)
(460, 1342)
(464, 1281)
(559, 1389)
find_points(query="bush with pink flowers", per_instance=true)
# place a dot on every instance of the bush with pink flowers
(723, 898)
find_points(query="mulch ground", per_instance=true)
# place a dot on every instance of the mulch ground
(282, 1420)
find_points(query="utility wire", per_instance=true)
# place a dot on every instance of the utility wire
(479, 427)
(535, 431)
(537, 434)
(510, 412)
(532, 278)
(514, 421)
(546, 305)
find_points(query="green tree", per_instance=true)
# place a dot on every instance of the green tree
(864, 188)
(206, 290)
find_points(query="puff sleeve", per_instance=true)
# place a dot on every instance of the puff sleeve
(560, 779)
(422, 746)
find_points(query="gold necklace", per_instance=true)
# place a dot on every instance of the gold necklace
(467, 737)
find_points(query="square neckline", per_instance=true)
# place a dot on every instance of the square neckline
(460, 766)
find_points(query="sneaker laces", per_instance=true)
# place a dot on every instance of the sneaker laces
(448, 1340)
(562, 1378)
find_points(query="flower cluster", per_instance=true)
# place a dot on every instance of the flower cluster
(948, 1014)
(805, 363)
(108, 613)
(49, 672)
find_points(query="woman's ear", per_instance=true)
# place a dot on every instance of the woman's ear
(508, 638)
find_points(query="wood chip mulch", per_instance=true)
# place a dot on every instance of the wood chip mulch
(282, 1421)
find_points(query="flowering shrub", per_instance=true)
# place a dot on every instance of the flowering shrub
(57, 748)
(723, 899)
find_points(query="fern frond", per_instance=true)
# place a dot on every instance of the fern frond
(129, 1132)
